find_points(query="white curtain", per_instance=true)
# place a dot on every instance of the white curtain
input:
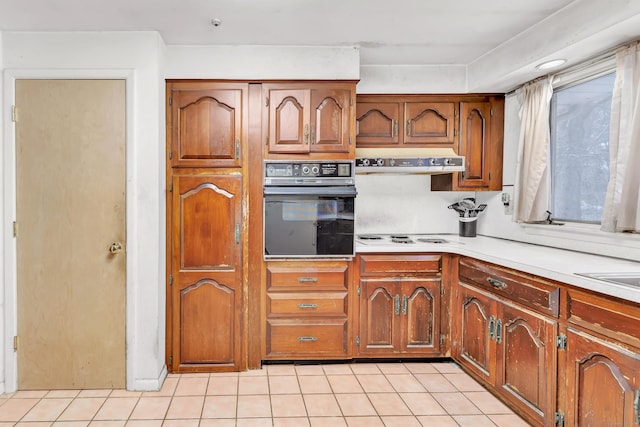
(622, 202)
(531, 189)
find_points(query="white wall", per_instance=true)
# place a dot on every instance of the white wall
(412, 79)
(136, 57)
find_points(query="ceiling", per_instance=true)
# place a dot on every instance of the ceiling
(496, 43)
(411, 32)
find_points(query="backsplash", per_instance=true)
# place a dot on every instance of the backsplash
(389, 203)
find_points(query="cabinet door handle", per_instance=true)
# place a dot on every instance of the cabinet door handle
(636, 406)
(499, 331)
(492, 327)
(306, 133)
(307, 279)
(307, 339)
(397, 304)
(404, 305)
(497, 283)
(313, 134)
(307, 305)
(408, 127)
(395, 127)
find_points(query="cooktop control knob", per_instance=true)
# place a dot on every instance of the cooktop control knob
(447, 162)
(365, 162)
(315, 169)
(392, 162)
(433, 161)
(305, 170)
(380, 162)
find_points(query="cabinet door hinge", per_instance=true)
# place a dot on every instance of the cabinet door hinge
(636, 407)
(171, 280)
(237, 149)
(14, 113)
(561, 342)
(171, 187)
(267, 143)
(350, 102)
(358, 341)
(358, 290)
(441, 288)
(15, 229)
(266, 102)
(171, 360)
(171, 100)
(15, 343)
(350, 141)
(170, 154)
(237, 233)
(491, 112)
(559, 419)
(441, 339)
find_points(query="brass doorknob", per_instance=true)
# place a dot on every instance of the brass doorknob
(115, 248)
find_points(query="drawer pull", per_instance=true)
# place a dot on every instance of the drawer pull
(497, 283)
(307, 279)
(307, 339)
(307, 305)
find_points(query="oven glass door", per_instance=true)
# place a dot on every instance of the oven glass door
(309, 221)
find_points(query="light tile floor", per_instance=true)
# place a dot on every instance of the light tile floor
(282, 395)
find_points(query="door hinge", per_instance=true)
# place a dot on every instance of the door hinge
(441, 339)
(171, 187)
(170, 154)
(14, 113)
(15, 343)
(266, 102)
(350, 141)
(15, 229)
(237, 149)
(561, 342)
(171, 280)
(237, 233)
(171, 100)
(358, 290)
(171, 360)
(441, 288)
(358, 340)
(559, 419)
(491, 112)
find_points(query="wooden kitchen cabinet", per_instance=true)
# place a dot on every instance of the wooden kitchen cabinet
(505, 344)
(400, 305)
(314, 118)
(406, 121)
(307, 310)
(206, 272)
(480, 141)
(602, 369)
(207, 123)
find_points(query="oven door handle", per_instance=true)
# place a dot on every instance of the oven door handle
(339, 191)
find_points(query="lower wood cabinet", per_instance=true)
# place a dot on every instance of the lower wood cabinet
(506, 346)
(399, 305)
(307, 310)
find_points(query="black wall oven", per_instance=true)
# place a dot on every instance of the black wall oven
(309, 209)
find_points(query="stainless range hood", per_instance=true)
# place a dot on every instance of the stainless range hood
(408, 161)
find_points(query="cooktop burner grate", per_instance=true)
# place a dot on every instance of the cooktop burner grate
(401, 239)
(369, 237)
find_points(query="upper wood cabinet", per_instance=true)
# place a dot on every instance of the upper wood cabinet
(309, 119)
(394, 121)
(207, 123)
(481, 143)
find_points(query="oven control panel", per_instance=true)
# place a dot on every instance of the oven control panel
(308, 173)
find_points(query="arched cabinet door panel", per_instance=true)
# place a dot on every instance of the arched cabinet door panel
(206, 278)
(379, 302)
(206, 124)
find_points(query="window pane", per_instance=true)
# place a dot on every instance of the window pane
(580, 149)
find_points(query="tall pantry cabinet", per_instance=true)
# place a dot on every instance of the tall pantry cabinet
(207, 134)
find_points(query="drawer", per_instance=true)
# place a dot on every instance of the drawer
(527, 290)
(307, 303)
(399, 265)
(311, 277)
(322, 338)
(614, 318)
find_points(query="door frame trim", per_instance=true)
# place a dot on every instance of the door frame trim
(8, 185)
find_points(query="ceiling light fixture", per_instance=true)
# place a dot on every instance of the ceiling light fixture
(216, 22)
(551, 64)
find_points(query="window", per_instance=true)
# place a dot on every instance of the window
(580, 149)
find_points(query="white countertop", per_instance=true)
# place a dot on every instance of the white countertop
(552, 263)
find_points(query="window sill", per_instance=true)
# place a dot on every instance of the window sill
(583, 232)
